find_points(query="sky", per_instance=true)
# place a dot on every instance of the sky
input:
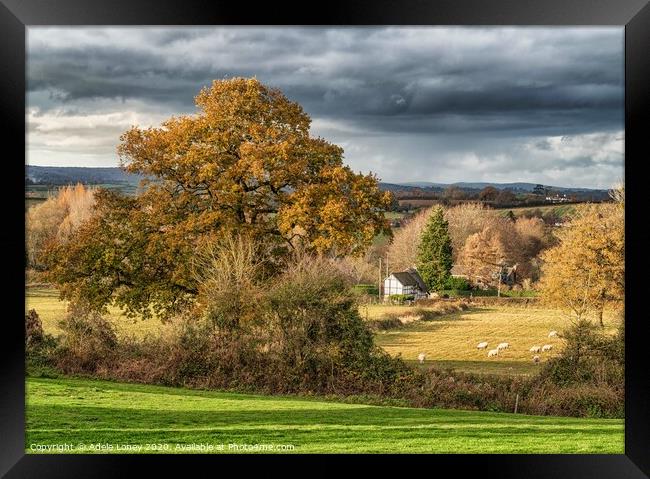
(439, 104)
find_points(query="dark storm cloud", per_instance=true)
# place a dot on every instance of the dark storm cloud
(519, 85)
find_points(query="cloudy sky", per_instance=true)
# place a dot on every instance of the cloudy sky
(542, 105)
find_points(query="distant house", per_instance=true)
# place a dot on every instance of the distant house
(405, 282)
(558, 199)
(509, 275)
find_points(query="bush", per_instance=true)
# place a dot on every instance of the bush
(33, 330)
(38, 345)
(459, 284)
(89, 340)
(400, 298)
(578, 400)
(365, 289)
(587, 379)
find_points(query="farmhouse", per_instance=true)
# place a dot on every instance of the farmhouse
(405, 282)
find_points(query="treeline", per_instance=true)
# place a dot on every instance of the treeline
(480, 239)
(494, 197)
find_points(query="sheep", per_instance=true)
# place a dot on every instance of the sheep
(536, 359)
(493, 352)
(482, 345)
(547, 347)
(535, 349)
(421, 357)
(503, 346)
(552, 334)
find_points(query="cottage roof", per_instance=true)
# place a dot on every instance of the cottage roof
(421, 284)
(405, 278)
(411, 277)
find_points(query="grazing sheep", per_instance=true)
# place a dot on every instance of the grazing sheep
(536, 359)
(493, 352)
(535, 349)
(482, 345)
(552, 334)
(547, 347)
(503, 346)
(421, 357)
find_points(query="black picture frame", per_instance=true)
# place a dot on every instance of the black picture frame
(17, 15)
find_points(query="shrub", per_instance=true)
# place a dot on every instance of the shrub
(33, 329)
(456, 283)
(89, 340)
(400, 298)
(315, 321)
(38, 345)
(365, 289)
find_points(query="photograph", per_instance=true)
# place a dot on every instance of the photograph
(289, 240)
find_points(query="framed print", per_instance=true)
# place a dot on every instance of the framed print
(376, 230)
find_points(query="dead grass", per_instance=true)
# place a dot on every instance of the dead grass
(51, 310)
(450, 340)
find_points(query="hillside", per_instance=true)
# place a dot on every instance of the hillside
(59, 175)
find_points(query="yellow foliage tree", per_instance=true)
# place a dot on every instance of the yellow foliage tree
(56, 218)
(586, 270)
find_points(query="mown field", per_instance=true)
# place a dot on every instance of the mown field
(88, 416)
(450, 340)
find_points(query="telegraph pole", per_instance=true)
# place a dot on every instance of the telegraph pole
(380, 280)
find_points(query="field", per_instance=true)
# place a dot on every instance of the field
(101, 414)
(51, 310)
(561, 211)
(450, 340)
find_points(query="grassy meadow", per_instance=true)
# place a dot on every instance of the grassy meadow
(90, 413)
(449, 341)
(51, 310)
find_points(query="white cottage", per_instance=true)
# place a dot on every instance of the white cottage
(405, 282)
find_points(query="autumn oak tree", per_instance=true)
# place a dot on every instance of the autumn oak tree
(586, 269)
(244, 164)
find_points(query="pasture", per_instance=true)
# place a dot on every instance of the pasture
(51, 310)
(106, 417)
(450, 340)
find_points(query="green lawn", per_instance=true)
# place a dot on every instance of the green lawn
(70, 412)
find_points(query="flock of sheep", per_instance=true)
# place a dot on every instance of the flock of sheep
(501, 346)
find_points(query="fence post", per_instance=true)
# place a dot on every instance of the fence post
(516, 402)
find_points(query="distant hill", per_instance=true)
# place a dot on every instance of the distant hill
(523, 187)
(65, 175)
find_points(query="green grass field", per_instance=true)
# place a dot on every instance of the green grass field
(77, 412)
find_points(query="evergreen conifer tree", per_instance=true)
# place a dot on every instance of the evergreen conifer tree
(435, 252)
